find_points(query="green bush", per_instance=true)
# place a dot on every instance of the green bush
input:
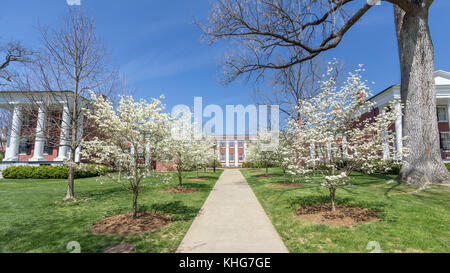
(52, 172)
(2, 155)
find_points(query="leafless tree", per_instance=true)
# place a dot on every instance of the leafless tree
(277, 34)
(72, 63)
(296, 83)
(13, 53)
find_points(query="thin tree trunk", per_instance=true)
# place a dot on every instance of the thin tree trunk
(423, 165)
(332, 198)
(180, 179)
(284, 176)
(267, 170)
(135, 203)
(71, 178)
(197, 172)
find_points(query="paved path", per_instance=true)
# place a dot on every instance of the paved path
(232, 221)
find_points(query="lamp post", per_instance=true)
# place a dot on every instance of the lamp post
(215, 149)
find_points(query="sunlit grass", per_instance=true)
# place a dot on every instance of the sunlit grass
(33, 217)
(408, 222)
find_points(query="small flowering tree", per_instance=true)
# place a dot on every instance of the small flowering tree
(284, 155)
(264, 150)
(336, 133)
(127, 136)
(204, 154)
(178, 146)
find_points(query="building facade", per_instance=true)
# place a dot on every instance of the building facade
(391, 94)
(233, 149)
(39, 127)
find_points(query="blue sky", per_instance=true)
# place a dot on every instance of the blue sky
(159, 50)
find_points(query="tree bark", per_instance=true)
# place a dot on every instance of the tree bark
(423, 164)
(135, 203)
(180, 179)
(332, 198)
(71, 178)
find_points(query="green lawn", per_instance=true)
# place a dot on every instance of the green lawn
(33, 217)
(408, 222)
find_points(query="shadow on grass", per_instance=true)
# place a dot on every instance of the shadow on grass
(176, 209)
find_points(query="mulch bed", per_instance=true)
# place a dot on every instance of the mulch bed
(125, 224)
(180, 190)
(268, 176)
(343, 216)
(197, 180)
(122, 248)
(286, 186)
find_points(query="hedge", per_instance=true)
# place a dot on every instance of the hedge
(2, 155)
(52, 172)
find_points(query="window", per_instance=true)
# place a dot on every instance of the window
(241, 144)
(222, 157)
(231, 144)
(241, 157)
(442, 114)
(445, 141)
(222, 145)
(25, 146)
(26, 120)
(231, 157)
(48, 148)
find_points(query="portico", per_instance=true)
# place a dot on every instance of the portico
(232, 149)
(39, 127)
(392, 94)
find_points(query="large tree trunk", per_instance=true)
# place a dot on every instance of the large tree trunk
(423, 165)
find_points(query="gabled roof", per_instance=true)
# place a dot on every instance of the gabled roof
(441, 78)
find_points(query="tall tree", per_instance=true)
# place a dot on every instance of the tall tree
(13, 53)
(277, 34)
(73, 58)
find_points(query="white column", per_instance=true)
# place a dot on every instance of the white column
(448, 111)
(245, 149)
(79, 136)
(312, 150)
(236, 153)
(344, 148)
(385, 138)
(399, 130)
(329, 151)
(63, 152)
(12, 150)
(227, 152)
(39, 141)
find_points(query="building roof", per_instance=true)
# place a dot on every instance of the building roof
(11, 97)
(442, 79)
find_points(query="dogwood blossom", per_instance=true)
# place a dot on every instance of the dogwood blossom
(127, 136)
(339, 131)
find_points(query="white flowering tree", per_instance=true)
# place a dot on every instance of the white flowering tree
(337, 134)
(126, 135)
(284, 155)
(264, 150)
(178, 146)
(204, 154)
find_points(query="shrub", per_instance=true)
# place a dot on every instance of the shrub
(52, 172)
(2, 155)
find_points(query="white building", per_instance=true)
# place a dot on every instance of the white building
(442, 81)
(233, 149)
(38, 132)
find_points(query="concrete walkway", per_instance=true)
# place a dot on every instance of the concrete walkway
(232, 221)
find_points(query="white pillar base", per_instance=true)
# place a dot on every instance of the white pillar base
(37, 159)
